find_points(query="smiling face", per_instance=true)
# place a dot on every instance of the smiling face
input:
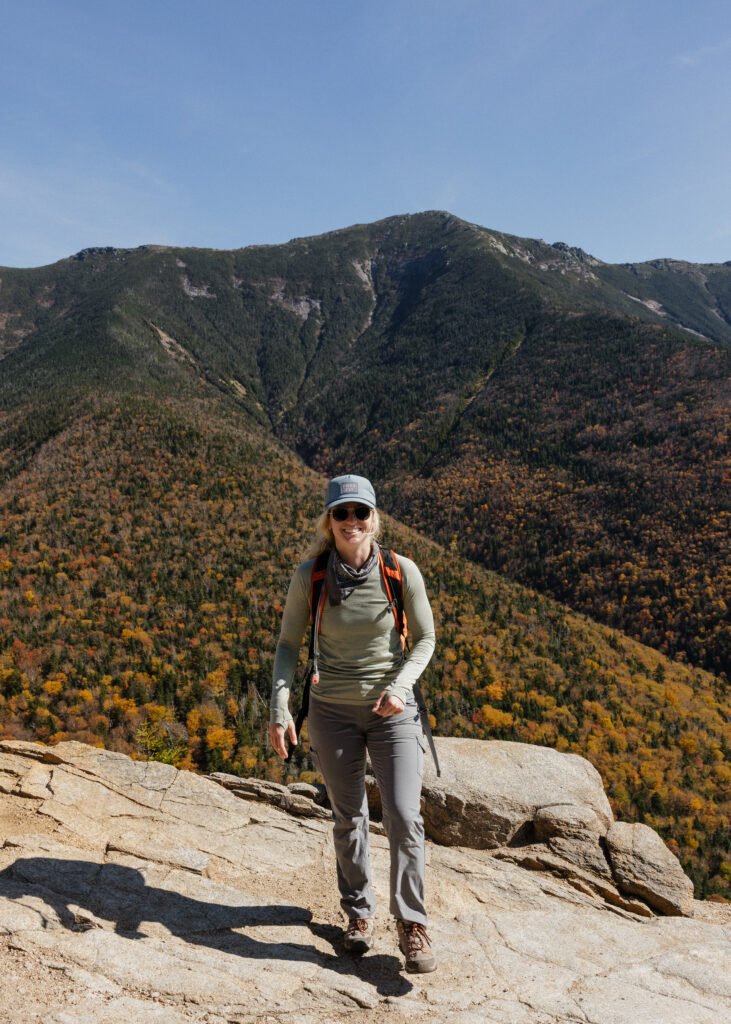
(352, 536)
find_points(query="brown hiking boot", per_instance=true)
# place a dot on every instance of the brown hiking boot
(359, 934)
(415, 944)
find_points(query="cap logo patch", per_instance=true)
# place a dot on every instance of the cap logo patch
(349, 488)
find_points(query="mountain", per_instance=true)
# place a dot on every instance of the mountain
(164, 414)
(475, 376)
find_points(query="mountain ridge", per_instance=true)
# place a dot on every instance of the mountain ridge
(532, 251)
(153, 399)
(436, 319)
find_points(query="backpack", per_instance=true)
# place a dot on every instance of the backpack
(393, 581)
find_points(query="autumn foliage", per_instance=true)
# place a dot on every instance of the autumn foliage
(144, 559)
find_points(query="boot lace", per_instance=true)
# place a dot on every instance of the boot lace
(359, 924)
(416, 937)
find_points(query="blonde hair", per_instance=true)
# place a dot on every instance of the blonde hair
(324, 539)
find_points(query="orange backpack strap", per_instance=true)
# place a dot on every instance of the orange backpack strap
(394, 583)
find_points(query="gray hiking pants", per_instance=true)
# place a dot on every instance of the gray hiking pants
(340, 734)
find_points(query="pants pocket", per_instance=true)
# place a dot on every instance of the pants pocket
(420, 753)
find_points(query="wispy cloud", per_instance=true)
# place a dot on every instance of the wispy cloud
(692, 58)
(48, 213)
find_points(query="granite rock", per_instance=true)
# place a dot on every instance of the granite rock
(643, 866)
(490, 792)
(186, 902)
(298, 799)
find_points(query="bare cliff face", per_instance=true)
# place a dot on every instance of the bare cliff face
(130, 891)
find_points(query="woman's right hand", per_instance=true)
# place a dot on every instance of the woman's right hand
(276, 737)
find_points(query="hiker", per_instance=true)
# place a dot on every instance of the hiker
(361, 698)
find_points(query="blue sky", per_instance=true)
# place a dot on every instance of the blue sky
(602, 123)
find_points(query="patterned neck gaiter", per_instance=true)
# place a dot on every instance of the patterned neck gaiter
(342, 579)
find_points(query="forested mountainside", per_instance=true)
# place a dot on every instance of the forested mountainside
(144, 561)
(603, 481)
(590, 435)
(513, 401)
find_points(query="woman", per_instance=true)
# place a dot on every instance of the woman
(363, 701)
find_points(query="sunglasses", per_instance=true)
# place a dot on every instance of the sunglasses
(340, 514)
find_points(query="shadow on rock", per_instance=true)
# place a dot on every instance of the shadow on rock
(86, 894)
(378, 969)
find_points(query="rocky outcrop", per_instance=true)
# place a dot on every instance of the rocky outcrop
(643, 866)
(573, 832)
(490, 792)
(548, 811)
(133, 891)
(297, 798)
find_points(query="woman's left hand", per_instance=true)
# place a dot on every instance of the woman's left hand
(388, 705)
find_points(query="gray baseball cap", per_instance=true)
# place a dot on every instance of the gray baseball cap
(350, 488)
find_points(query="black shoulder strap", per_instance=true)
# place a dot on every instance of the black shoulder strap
(317, 582)
(317, 585)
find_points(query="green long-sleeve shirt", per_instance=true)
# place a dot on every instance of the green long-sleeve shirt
(360, 650)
